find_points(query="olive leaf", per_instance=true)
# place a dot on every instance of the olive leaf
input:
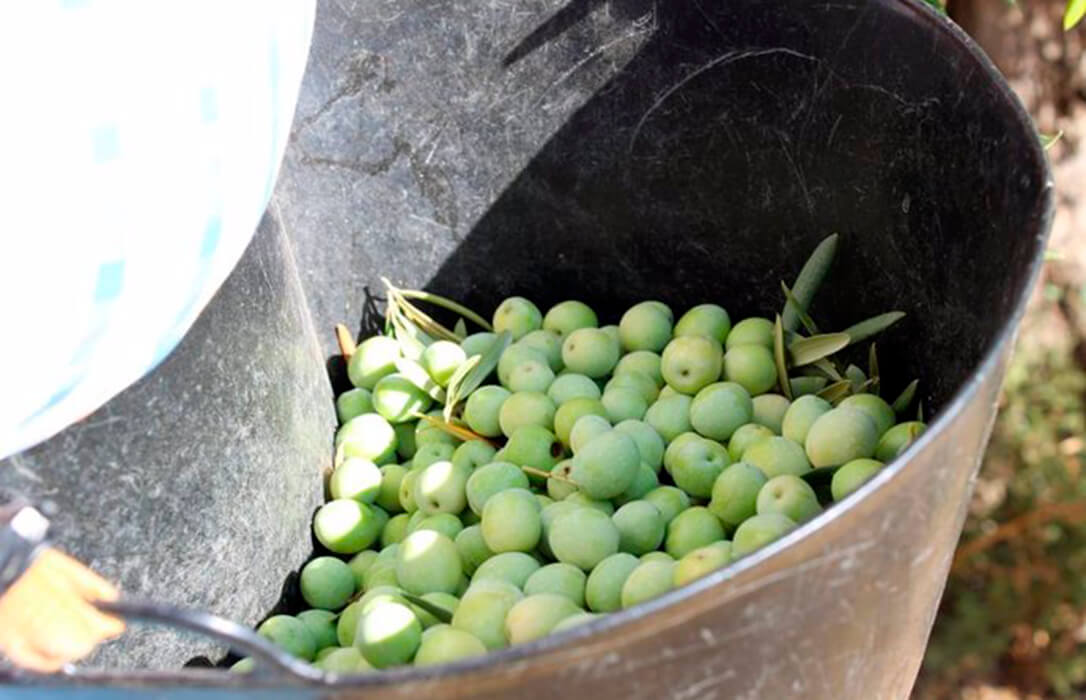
(938, 5)
(461, 328)
(905, 397)
(827, 368)
(791, 337)
(412, 340)
(480, 370)
(920, 411)
(421, 318)
(836, 391)
(398, 301)
(452, 392)
(778, 357)
(809, 280)
(1073, 14)
(873, 367)
(863, 387)
(807, 350)
(429, 325)
(415, 374)
(792, 303)
(1047, 140)
(449, 304)
(802, 386)
(488, 361)
(442, 615)
(913, 431)
(876, 324)
(464, 368)
(855, 375)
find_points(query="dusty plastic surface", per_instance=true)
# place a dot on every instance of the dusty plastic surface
(688, 151)
(197, 484)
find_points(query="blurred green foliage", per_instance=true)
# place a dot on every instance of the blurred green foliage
(1074, 13)
(1013, 615)
(1014, 611)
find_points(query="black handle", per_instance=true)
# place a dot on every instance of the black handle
(237, 637)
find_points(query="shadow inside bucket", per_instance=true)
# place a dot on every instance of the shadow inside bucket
(568, 16)
(709, 167)
(370, 323)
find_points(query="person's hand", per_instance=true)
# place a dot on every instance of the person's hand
(46, 618)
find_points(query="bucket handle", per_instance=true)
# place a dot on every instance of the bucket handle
(276, 661)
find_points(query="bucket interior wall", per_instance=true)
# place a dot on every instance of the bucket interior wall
(686, 151)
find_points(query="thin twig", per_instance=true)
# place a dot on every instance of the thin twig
(456, 430)
(549, 475)
(1071, 511)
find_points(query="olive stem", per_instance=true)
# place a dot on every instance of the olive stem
(456, 430)
(549, 475)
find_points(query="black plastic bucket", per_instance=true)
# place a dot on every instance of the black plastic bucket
(688, 151)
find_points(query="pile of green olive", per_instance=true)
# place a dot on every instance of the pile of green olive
(589, 469)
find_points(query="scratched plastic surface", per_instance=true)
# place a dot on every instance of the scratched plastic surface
(685, 151)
